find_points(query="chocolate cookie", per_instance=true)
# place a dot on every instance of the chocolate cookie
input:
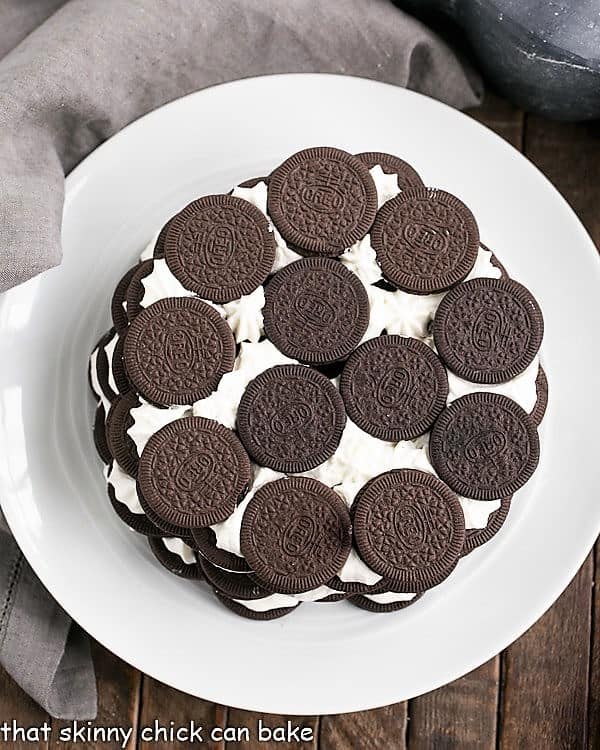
(165, 528)
(206, 542)
(476, 537)
(118, 304)
(119, 420)
(409, 527)
(290, 418)
(488, 330)
(541, 389)
(495, 262)
(394, 387)
(173, 562)
(233, 585)
(220, 247)
(192, 472)
(253, 182)
(177, 350)
(99, 434)
(323, 200)
(135, 290)
(408, 177)
(316, 310)
(296, 534)
(362, 602)
(250, 614)
(138, 522)
(118, 368)
(102, 367)
(426, 240)
(484, 446)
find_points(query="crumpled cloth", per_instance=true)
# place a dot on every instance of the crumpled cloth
(74, 73)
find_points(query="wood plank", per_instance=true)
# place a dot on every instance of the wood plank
(594, 686)
(501, 117)
(461, 715)
(380, 729)
(546, 676)
(18, 706)
(239, 719)
(118, 698)
(163, 708)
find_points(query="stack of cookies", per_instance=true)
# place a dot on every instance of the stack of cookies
(319, 387)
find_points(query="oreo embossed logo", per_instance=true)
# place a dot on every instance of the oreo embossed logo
(428, 238)
(485, 445)
(314, 310)
(194, 471)
(292, 417)
(179, 350)
(219, 244)
(322, 198)
(394, 387)
(299, 536)
(487, 330)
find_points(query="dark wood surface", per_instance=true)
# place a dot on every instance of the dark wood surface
(543, 692)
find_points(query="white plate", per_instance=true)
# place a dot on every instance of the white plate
(322, 658)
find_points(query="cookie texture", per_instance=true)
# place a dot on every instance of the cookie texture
(484, 446)
(426, 240)
(488, 330)
(408, 177)
(99, 433)
(250, 614)
(206, 541)
(363, 602)
(177, 350)
(476, 537)
(173, 562)
(316, 310)
(541, 404)
(233, 585)
(291, 418)
(296, 534)
(118, 421)
(192, 472)
(220, 247)
(322, 199)
(135, 290)
(394, 387)
(118, 305)
(409, 527)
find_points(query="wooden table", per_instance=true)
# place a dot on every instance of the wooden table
(543, 692)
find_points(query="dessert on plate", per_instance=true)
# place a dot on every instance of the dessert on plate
(319, 387)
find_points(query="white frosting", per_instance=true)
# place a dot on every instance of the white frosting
(315, 594)
(96, 383)
(257, 195)
(357, 571)
(477, 512)
(245, 317)
(520, 389)
(110, 350)
(181, 549)
(124, 488)
(222, 404)
(361, 259)
(161, 283)
(148, 419)
(385, 184)
(389, 597)
(227, 532)
(267, 603)
(148, 252)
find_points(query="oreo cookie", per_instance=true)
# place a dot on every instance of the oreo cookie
(118, 304)
(291, 418)
(426, 240)
(408, 177)
(99, 434)
(102, 368)
(172, 561)
(135, 290)
(322, 200)
(296, 534)
(119, 420)
(409, 527)
(138, 522)
(165, 528)
(484, 446)
(316, 310)
(233, 585)
(251, 614)
(192, 472)
(159, 247)
(495, 262)
(118, 368)
(394, 387)
(488, 330)
(220, 247)
(541, 389)
(476, 537)
(380, 607)
(177, 350)
(206, 542)
(253, 182)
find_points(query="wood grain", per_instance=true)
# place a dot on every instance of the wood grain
(118, 694)
(165, 707)
(594, 684)
(239, 719)
(380, 729)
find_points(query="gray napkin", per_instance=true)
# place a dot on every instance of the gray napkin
(79, 71)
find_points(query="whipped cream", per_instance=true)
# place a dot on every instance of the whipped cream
(148, 419)
(477, 512)
(181, 549)
(96, 387)
(161, 283)
(124, 487)
(148, 252)
(245, 317)
(222, 404)
(389, 597)
(110, 350)
(268, 603)
(385, 184)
